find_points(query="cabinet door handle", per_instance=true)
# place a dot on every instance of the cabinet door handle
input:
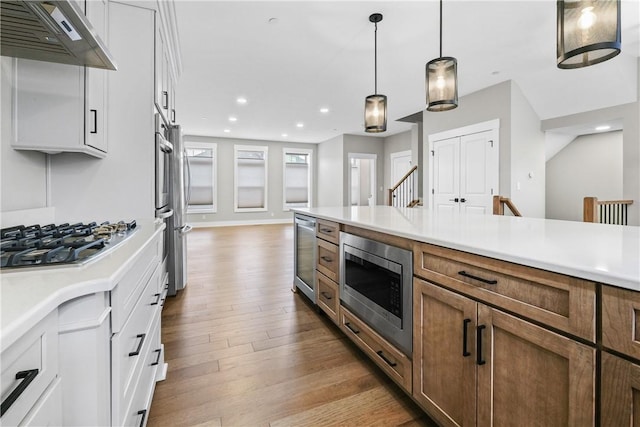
(137, 352)
(326, 295)
(463, 200)
(479, 359)
(143, 412)
(326, 259)
(157, 299)
(454, 200)
(383, 357)
(480, 279)
(165, 103)
(465, 332)
(94, 113)
(348, 325)
(173, 115)
(162, 302)
(159, 351)
(26, 377)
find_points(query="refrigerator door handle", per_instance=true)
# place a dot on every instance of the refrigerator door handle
(184, 229)
(164, 214)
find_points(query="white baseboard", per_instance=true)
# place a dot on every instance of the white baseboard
(236, 223)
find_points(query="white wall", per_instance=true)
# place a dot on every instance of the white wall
(527, 157)
(23, 174)
(332, 180)
(225, 179)
(591, 165)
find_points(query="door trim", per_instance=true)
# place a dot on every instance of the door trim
(374, 174)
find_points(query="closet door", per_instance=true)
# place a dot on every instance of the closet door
(478, 172)
(446, 175)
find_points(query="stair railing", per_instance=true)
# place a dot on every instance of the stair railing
(499, 204)
(403, 193)
(605, 211)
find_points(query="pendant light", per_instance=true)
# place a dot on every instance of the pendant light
(442, 80)
(375, 106)
(588, 32)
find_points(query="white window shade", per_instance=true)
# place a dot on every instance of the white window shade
(296, 178)
(202, 169)
(251, 179)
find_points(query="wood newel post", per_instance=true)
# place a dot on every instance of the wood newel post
(390, 198)
(498, 208)
(589, 211)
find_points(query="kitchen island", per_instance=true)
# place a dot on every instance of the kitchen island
(514, 319)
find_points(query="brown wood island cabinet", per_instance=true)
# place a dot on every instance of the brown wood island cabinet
(328, 268)
(493, 342)
(620, 374)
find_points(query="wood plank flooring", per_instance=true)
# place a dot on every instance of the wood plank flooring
(243, 350)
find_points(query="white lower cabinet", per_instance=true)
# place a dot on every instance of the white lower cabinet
(29, 371)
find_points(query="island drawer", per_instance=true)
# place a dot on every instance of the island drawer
(561, 302)
(328, 261)
(328, 297)
(393, 362)
(328, 230)
(621, 320)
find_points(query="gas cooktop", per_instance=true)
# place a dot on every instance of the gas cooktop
(50, 245)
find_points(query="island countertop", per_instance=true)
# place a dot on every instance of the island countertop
(604, 253)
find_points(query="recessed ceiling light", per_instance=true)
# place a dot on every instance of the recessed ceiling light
(227, 130)
(324, 110)
(603, 127)
(284, 135)
(241, 100)
(299, 125)
(495, 73)
(233, 119)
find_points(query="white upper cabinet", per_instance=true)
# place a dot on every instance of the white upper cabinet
(62, 108)
(166, 71)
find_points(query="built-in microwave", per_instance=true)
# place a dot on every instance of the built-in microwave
(376, 285)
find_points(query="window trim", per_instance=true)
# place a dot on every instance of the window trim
(265, 150)
(214, 164)
(286, 207)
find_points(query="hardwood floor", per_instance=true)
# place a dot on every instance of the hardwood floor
(243, 350)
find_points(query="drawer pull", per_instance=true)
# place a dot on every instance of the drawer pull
(480, 279)
(479, 359)
(157, 299)
(95, 121)
(326, 259)
(465, 325)
(165, 100)
(383, 357)
(137, 352)
(144, 415)
(26, 377)
(162, 302)
(159, 351)
(326, 295)
(326, 230)
(348, 325)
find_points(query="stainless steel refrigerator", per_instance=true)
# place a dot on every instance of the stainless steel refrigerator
(177, 227)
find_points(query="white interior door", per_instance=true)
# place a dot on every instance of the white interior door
(465, 173)
(478, 172)
(400, 165)
(446, 175)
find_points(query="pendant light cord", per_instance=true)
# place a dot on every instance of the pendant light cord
(375, 59)
(440, 28)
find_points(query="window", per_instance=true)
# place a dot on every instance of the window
(250, 178)
(296, 178)
(202, 193)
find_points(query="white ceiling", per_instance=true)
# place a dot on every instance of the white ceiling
(320, 54)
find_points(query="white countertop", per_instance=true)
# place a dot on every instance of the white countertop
(28, 295)
(603, 253)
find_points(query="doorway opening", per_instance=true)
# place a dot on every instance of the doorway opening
(362, 179)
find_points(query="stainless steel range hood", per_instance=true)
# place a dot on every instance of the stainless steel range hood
(51, 31)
